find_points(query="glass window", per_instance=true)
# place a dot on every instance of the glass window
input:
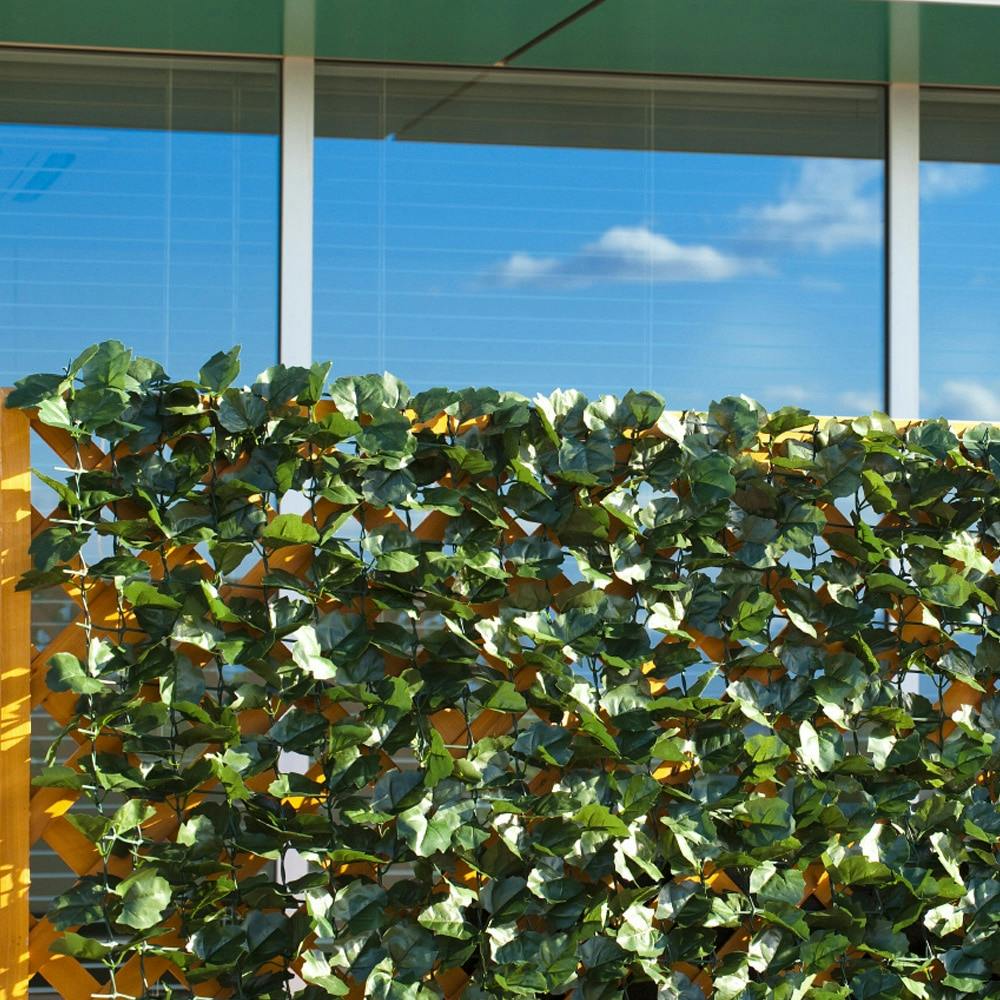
(960, 254)
(530, 231)
(138, 201)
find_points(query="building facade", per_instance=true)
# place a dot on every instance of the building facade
(794, 199)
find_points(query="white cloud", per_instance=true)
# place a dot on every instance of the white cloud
(949, 180)
(850, 403)
(853, 403)
(626, 253)
(832, 205)
(962, 399)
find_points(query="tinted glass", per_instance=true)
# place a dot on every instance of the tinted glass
(960, 255)
(531, 232)
(138, 201)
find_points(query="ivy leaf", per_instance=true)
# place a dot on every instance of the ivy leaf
(78, 946)
(58, 776)
(821, 750)
(221, 369)
(183, 682)
(316, 970)
(711, 479)
(55, 546)
(396, 790)
(307, 654)
(446, 917)
(439, 762)
(34, 389)
(361, 906)
(67, 673)
(359, 394)
(822, 950)
(145, 898)
(289, 529)
(241, 411)
(599, 818)
(427, 834)
(772, 884)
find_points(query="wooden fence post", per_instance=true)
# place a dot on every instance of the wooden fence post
(15, 701)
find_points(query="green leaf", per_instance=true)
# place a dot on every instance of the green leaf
(67, 673)
(773, 885)
(427, 834)
(822, 950)
(307, 653)
(241, 411)
(183, 682)
(75, 945)
(58, 776)
(55, 546)
(396, 790)
(131, 815)
(439, 762)
(711, 479)
(289, 529)
(221, 369)
(55, 413)
(361, 906)
(316, 970)
(446, 917)
(819, 751)
(34, 389)
(599, 818)
(145, 898)
(355, 395)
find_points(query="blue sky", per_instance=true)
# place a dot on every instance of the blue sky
(960, 290)
(530, 268)
(166, 241)
(526, 268)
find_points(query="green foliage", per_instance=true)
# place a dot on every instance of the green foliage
(596, 701)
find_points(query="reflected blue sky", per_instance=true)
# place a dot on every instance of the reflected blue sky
(167, 241)
(960, 290)
(528, 268)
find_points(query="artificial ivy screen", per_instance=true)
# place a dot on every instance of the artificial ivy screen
(553, 697)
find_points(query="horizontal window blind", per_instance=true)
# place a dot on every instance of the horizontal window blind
(542, 110)
(959, 254)
(533, 230)
(960, 126)
(139, 200)
(139, 92)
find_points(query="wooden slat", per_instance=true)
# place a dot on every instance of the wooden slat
(15, 700)
(64, 974)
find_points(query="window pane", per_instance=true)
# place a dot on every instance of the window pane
(138, 201)
(532, 231)
(960, 254)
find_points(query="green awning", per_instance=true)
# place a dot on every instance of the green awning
(860, 40)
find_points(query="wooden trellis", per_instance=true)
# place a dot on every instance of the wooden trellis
(29, 815)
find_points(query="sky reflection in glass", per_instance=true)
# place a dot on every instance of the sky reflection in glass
(165, 239)
(527, 266)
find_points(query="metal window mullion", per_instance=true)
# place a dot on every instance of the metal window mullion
(903, 250)
(298, 90)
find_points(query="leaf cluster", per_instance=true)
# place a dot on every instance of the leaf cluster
(555, 697)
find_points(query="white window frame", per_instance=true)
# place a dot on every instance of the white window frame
(902, 249)
(298, 94)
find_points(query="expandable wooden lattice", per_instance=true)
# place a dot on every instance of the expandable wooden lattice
(31, 815)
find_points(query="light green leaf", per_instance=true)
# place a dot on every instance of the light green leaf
(145, 898)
